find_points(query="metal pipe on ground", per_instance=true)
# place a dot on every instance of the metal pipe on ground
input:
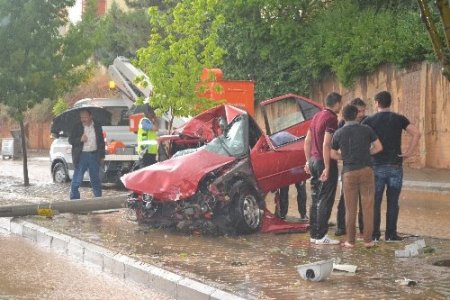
(71, 206)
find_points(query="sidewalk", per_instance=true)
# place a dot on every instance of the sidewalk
(427, 179)
(423, 178)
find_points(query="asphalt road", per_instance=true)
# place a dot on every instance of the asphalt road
(258, 266)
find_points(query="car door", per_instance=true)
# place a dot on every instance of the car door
(278, 158)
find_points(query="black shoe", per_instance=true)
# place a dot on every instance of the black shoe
(394, 238)
(339, 232)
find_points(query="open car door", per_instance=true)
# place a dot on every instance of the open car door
(278, 157)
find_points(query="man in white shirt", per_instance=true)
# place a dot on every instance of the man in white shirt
(88, 150)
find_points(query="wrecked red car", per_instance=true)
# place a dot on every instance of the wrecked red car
(223, 166)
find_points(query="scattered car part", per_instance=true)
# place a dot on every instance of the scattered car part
(317, 271)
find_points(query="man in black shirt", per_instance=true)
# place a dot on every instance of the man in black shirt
(388, 163)
(354, 144)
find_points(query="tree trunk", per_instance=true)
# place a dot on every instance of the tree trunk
(26, 180)
(438, 46)
(444, 10)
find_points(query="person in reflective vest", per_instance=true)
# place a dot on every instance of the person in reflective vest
(147, 144)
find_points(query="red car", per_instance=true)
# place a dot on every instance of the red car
(223, 167)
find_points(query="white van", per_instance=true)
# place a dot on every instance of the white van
(61, 151)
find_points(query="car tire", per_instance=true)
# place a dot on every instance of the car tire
(59, 173)
(245, 209)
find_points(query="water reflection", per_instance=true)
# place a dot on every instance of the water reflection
(263, 265)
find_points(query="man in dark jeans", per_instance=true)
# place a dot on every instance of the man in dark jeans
(88, 151)
(388, 167)
(301, 201)
(340, 218)
(323, 169)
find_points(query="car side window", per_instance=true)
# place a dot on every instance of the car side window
(308, 109)
(284, 114)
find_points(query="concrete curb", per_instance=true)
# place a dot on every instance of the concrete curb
(426, 186)
(116, 264)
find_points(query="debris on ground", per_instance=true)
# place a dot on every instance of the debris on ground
(413, 249)
(345, 268)
(406, 282)
(316, 271)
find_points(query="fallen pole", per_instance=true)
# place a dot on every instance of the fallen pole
(71, 206)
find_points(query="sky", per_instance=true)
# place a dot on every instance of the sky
(75, 12)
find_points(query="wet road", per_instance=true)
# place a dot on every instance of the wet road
(31, 272)
(261, 266)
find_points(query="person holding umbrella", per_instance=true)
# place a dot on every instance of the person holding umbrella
(88, 151)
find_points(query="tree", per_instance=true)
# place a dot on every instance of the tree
(37, 61)
(122, 34)
(441, 48)
(183, 41)
(263, 41)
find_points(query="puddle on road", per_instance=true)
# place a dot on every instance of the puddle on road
(262, 266)
(258, 266)
(28, 271)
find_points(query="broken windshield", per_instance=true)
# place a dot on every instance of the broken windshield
(231, 141)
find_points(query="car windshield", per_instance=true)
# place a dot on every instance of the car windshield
(231, 141)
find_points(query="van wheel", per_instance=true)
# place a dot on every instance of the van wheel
(59, 173)
(245, 209)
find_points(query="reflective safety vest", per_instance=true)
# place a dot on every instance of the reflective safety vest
(146, 138)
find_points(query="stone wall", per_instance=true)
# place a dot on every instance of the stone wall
(420, 93)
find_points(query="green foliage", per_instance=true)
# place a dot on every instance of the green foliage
(162, 5)
(349, 41)
(285, 45)
(263, 40)
(121, 34)
(60, 106)
(183, 41)
(37, 61)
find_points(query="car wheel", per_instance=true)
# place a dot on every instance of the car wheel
(245, 211)
(60, 174)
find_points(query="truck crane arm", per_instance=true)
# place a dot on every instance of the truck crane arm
(131, 81)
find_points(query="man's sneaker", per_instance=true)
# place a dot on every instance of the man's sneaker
(303, 219)
(394, 238)
(327, 241)
(339, 232)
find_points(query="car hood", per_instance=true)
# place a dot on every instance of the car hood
(176, 178)
(202, 125)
